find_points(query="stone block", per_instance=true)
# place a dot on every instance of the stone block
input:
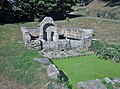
(63, 44)
(91, 84)
(116, 79)
(53, 72)
(76, 43)
(49, 45)
(44, 61)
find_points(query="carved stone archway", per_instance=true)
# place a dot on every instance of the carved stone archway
(52, 34)
(46, 23)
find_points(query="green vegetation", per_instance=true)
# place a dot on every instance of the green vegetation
(86, 68)
(16, 60)
(108, 85)
(100, 8)
(106, 51)
(117, 85)
(28, 10)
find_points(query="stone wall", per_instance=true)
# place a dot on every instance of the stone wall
(75, 33)
(49, 45)
(76, 43)
(33, 31)
(63, 44)
(49, 37)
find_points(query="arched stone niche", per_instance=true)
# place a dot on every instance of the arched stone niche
(47, 24)
(52, 34)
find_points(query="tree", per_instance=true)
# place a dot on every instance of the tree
(6, 13)
(28, 10)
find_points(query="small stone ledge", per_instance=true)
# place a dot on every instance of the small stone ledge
(44, 61)
(64, 54)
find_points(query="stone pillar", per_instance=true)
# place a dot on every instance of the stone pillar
(55, 37)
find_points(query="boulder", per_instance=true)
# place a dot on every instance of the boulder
(116, 79)
(44, 61)
(53, 72)
(91, 84)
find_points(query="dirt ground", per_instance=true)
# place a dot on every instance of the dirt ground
(8, 84)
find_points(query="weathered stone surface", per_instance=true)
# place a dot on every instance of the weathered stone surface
(63, 44)
(52, 33)
(114, 87)
(55, 54)
(75, 33)
(44, 25)
(76, 43)
(49, 45)
(44, 61)
(52, 71)
(49, 37)
(65, 53)
(26, 36)
(54, 85)
(116, 79)
(91, 84)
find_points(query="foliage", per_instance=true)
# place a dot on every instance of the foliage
(107, 14)
(106, 51)
(83, 2)
(6, 11)
(108, 85)
(28, 10)
(117, 85)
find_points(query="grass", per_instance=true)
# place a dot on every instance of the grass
(85, 68)
(104, 30)
(16, 60)
(98, 8)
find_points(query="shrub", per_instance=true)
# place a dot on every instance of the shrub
(106, 51)
(107, 14)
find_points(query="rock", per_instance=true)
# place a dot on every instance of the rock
(114, 87)
(64, 54)
(91, 84)
(54, 85)
(116, 79)
(44, 61)
(53, 72)
(108, 80)
(55, 54)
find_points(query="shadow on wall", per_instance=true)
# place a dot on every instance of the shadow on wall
(64, 79)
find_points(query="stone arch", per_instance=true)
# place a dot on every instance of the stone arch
(47, 22)
(44, 28)
(52, 34)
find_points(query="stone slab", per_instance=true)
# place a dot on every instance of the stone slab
(44, 61)
(91, 84)
(116, 79)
